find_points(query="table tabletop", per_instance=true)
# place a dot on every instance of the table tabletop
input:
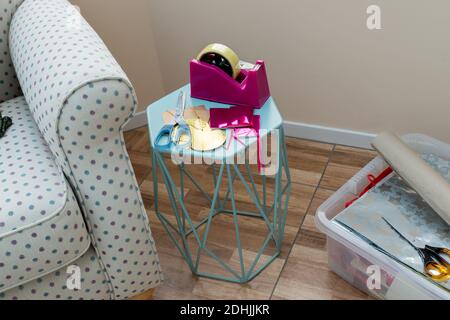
(270, 119)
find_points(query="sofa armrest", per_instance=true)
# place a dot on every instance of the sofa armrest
(81, 99)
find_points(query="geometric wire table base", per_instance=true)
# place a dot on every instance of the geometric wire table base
(192, 238)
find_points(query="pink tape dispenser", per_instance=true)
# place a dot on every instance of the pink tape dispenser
(218, 75)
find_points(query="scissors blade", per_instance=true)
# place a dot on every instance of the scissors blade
(181, 106)
(400, 234)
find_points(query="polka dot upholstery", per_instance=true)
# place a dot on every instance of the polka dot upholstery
(41, 226)
(9, 86)
(80, 99)
(105, 180)
(94, 285)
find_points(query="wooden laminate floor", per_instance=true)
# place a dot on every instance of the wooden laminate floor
(301, 272)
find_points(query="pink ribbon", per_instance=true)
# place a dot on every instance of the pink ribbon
(243, 123)
(249, 132)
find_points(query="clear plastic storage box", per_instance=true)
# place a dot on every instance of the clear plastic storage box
(355, 260)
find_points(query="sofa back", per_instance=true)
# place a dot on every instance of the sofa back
(9, 85)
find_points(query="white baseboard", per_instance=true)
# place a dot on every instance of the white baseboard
(329, 135)
(138, 121)
(297, 130)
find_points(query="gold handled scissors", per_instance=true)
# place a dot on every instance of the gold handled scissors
(436, 267)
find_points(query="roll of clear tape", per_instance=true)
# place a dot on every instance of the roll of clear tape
(227, 53)
(408, 164)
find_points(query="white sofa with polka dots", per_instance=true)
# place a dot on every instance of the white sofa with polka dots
(69, 200)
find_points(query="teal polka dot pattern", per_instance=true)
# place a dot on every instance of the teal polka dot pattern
(9, 86)
(94, 285)
(41, 225)
(80, 99)
(107, 186)
(31, 185)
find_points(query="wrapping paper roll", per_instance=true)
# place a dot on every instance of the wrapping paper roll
(431, 186)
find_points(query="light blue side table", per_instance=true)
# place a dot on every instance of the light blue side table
(191, 237)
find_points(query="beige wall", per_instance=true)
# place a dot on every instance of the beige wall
(325, 67)
(125, 27)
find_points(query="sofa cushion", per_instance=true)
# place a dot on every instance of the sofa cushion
(41, 226)
(94, 284)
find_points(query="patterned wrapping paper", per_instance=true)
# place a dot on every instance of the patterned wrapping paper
(407, 211)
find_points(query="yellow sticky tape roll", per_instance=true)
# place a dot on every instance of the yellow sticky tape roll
(227, 53)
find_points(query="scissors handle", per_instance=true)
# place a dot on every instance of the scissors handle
(443, 251)
(182, 137)
(163, 141)
(435, 267)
